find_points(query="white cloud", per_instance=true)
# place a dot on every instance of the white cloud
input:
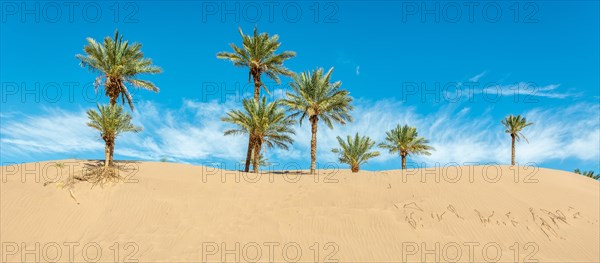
(477, 77)
(54, 131)
(194, 133)
(527, 90)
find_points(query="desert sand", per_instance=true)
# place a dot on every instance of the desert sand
(169, 212)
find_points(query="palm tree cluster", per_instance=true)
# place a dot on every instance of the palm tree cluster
(314, 96)
(118, 65)
(589, 174)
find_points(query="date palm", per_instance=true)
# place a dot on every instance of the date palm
(314, 97)
(405, 141)
(118, 63)
(111, 121)
(514, 125)
(264, 123)
(258, 54)
(355, 151)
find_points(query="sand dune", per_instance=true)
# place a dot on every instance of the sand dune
(176, 212)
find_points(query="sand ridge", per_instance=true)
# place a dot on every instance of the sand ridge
(177, 212)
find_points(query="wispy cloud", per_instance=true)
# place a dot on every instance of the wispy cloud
(477, 77)
(54, 131)
(194, 133)
(528, 89)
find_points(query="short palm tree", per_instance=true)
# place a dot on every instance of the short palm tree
(514, 125)
(117, 63)
(316, 98)
(589, 174)
(355, 151)
(258, 55)
(405, 141)
(111, 121)
(265, 124)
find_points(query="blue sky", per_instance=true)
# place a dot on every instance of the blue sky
(452, 76)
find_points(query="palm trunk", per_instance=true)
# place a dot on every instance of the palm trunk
(248, 155)
(512, 159)
(355, 168)
(257, 84)
(256, 76)
(106, 155)
(110, 91)
(255, 161)
(113, 100)
(313, 144)
(403, 162)
(112, 153)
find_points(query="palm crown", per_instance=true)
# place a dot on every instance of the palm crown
(355, 151)
(314, 96)
(406, 141)
(514, 125)
(118, 63)
(111, 121)
(264, 123)
(258, 54)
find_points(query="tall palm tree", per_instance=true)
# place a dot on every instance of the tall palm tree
(118, 63)
(316, 98)
(355, 151)
(514, 125)
(405, 141)
(258, 55)
(111, 121)
(265, 124)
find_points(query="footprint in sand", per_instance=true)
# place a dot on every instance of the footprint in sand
(483, 219)
(453, 210)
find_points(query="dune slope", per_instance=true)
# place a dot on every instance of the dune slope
(175, 212)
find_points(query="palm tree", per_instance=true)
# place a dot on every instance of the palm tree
(405, 141)
(258, 55)
(265, 124)
(315, 98)
(355, 151)
(589, 174)
(514, 125)
(117, 63)
(111, 121)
